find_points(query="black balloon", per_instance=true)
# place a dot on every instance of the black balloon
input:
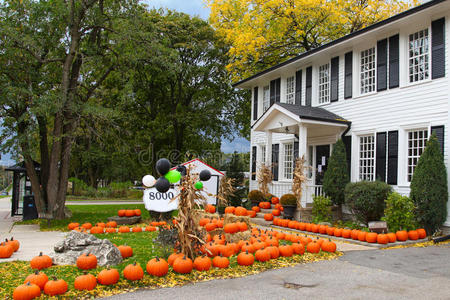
(163, 166)
(162, 185)
(205, 175)
(182, 170)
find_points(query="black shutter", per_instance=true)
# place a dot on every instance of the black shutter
(348, 84)
(255, 103)
(439, 132)
(380, 173)
(393, 62)
(348, 151)
(275, 160)
(272, 92)
(253, 162)
(392, 157)
(295, 153)
(382, 65)
(278, 89)
(298, 87)
(308, 88)
(438, 48)
(334, 88)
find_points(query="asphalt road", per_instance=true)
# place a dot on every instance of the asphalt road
(409, 273)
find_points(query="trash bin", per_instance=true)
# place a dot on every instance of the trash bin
(29, 208)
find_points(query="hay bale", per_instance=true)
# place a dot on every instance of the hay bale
(229, 218)
(200, 214)
(236, 237)
(217, 231)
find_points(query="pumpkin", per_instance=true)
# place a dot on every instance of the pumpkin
(110, 230)
(87, 261)
(362, 236)
(108, 276)
(286, 250)
(256, 209)
(212, 249)
(41, 262)
(354, 234)
(328, 246)
(86, 226)
(220, 262)
(72, 226)
(231, 228)
(26, 291)
(392, 237)
(183, 265)
(112, 224)
(382, 239)
(338, 232)
(85, 282)
(202, 263)
(6, 250)
(422, 233)
(129, 213)
(101, 224)
(248, 248)
(346, 233)
(203, 221)
(330, 230)
(258, 245)
(133, 272)
(268, 217)
(401, 235)
(226, 250)
(150, 228)
(371, 237)
(55, 287)
(262, 255)
(157, 267)
(121, 212)
(210, 226)
(245, 259)
(97, 230)
(323, 229)
(229, 210)
(240, 211)
(271, 242)
(251, 213)
(137, 212)
(124, 229)
(276, 212)
(413, 235)
(292, 224)
(172, 257)
(298, 248)
(308, 227)
(275, 200)
(210, 208)
(242, 226)
(219, 223)
(38, 278)
(126, 251)
(273, 251)
(301, 226)
(136, 229)
(313, 247)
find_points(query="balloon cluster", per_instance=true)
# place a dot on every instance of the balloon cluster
(169, 176)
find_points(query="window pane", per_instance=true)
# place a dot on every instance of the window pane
(418, 56)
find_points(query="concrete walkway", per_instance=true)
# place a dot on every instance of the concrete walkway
(102, 202)
(408, 273)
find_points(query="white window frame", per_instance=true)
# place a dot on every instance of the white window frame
(366, 163)
(364, 71)
(323, 87)
(290, 90)
(262, 151)
(414, 150)
(288, 163)
(427, 54)
(266, 100)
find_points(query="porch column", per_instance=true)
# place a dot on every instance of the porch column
(268, 161)
(302, 140)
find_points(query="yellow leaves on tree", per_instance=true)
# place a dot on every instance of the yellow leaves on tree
(263, 33)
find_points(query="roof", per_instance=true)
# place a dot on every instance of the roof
(344, 38)
(197, 161)
(310, 113)
(20, 167)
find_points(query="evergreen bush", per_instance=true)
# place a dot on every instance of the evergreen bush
(321, 210)
(399, 213)
(429, 190)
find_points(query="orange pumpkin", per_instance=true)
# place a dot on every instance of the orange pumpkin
(313, 247)
(136, 229)
(229, 210)
(371, 237)
(133, 272)
(183, 265)
(262, 255)
(422, 233)
(6, 250)
(268, 217)
(202, 263)
(55, 287)
(41, 262)
(121, 212)
(362, 236)
(328, 246)
(256, 209)
(108, 276)
(245, 259)
(85, 282)
(382, 239)
(286, 250)
(402, 235)
(124, 229)
(157, 267)
(87, 261)
(392, 237)
(26, 291)
(150, 228)
(129, 213)
(275, 200)
(298, 248)
(38, 278)
(338, 232)
(126, 251)
(413, 235)
(346, 233)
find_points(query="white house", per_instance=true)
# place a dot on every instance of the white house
(384, 89)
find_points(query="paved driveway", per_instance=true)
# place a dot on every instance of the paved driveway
(409, 273)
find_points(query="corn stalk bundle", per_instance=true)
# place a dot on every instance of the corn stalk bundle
(299, 178)
(226, 190)
(264, 176)
(189, 198)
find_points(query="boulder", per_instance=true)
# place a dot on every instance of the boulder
(125, 220)
(77, 243)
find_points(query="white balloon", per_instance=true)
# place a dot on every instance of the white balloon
(148, 180)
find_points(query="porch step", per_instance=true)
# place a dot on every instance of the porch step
(260, 221)
(267, 211)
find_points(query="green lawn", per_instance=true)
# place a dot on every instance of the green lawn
(83, 198)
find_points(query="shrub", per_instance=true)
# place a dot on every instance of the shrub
(336, 176)
(367, 199)
(321, 210)
(268, 197)
(429, 190)
(288, 199)
(399, 213)
(255, 195)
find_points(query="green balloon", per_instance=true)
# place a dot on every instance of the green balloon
(173, 176)
(198, 185)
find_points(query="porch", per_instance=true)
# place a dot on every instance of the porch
(292, 131)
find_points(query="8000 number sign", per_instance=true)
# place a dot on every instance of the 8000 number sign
(160, 196)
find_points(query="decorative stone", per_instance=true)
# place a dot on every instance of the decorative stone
(378, 226)
(125, 220)
(77, 243)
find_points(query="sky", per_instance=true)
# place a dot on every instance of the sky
(192, 7)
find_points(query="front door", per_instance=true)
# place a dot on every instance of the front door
(322, 156)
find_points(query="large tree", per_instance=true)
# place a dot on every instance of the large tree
(55, 55)
(263, 33)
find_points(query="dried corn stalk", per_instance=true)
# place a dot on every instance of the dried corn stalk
(189, 198)
(226, 190)
(264, 176)
(299, 178)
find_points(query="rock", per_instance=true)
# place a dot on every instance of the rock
(236, 237)
(67, 212)
(77, 243)
(125, 220)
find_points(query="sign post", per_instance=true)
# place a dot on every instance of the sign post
(160, 202)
